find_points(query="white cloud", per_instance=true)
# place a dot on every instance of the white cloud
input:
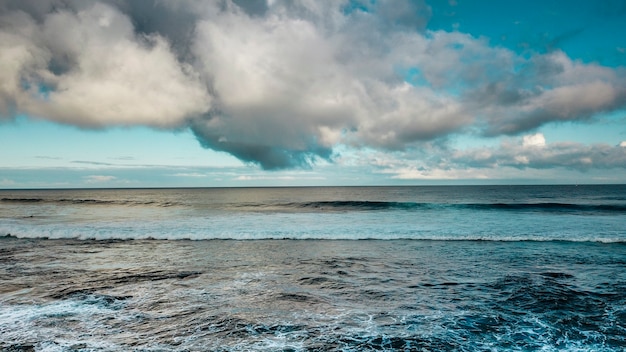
(7, 182)
(408, 173)
(99, 178)
(189, 174)
(90, 69)
(534, 140)
(276, 178)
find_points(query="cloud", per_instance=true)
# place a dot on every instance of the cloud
(7, 182)
(549, 88)
(280, 83)
(532, 152)
(86, 66)
(99, 178)
(277, 178)
(521, 157)
(97, 163)
(534, 140)
(189, 174)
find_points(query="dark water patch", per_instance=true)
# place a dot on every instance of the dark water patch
(88, 201)
(324, 283)
(100, 299)
(613, 198)
(480, 324)
(106, 282)
(345, 263)
(18, 347)
(357, 205)
(540, 294)
(440, 284)
(550, 207)
(332, 206)
(276, 329)
(224, 327)
(296, 297)
(225, 324)
(338, 266)
(127, 278)
(557, 275)
(375, 295)
(70, 292)
(313, 280)
(373, 205)
(339, 263)
(21, 200)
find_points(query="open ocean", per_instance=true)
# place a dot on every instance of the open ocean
(459, 268)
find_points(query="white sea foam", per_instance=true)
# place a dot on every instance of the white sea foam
(172, 231)
(36, 325)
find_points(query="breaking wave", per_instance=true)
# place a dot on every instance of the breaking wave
(79, 201)
(437, 214)
(362, 205)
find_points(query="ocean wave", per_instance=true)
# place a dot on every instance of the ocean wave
(348, 205)
(558, 207)
(363, 205)
(80, 201)
(22, 200)
(108, 236)
(339, 205)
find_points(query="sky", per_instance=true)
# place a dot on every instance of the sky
(193, 93)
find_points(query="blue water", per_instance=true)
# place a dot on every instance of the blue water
(324, 269)
(502, 213)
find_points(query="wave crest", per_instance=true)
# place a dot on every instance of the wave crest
(87, 201)
(363, 205)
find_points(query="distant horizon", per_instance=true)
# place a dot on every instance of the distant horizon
(320, 186)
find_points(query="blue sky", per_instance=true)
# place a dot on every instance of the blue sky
(281, 93)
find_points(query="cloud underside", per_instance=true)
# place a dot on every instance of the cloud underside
(282, 84)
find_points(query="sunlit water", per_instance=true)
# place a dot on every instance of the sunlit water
(328, 269)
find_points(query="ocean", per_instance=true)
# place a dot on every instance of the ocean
(429, 268)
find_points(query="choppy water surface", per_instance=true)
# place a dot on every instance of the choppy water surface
(312, 295)
(424, 268)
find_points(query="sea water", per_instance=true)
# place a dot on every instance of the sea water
(469, 268)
